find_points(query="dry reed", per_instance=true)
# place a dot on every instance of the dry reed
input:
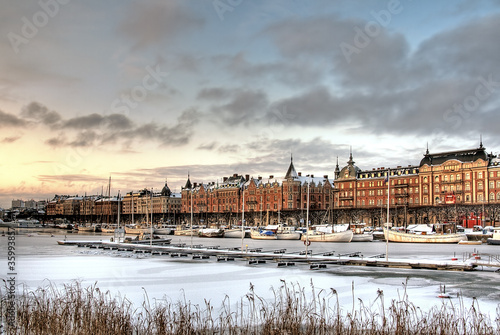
(73, 309)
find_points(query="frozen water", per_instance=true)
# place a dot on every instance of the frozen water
(40, 261)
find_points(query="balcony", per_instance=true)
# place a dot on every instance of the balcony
(400, 185)
(346, 197)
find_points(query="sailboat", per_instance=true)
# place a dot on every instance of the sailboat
(133, 228)
(396, 236)
(325, 233)
(414, 237)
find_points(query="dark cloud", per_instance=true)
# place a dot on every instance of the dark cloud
(56, 142)
(467, 51)
(242, 107)
(86, 122)
(158, 22)
(9, 120)
(214, 93)
(96, 129)
(41, 114)
(207, 146)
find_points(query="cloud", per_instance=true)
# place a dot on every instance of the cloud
(96, 129)
(157, 23)
(40, 114)
(11, 139)
(207, 146)
(467, 51)
(9, 120)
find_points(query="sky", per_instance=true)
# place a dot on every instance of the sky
(151, 91)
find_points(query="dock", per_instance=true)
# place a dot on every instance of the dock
(315, 261)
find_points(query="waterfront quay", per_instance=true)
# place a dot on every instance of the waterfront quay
(316, 256)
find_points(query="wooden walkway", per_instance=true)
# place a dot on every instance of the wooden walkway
(285, 259)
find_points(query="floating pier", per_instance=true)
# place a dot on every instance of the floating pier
(286, 259)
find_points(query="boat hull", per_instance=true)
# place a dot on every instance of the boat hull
(493, 241)
(137, 231)
(362, 238)
(394, 236)
(261, 236)
(342, 237)
(186, 232)
(209, 232)
(234, 233)
(21, 224)
(163, 231)
(288, 236)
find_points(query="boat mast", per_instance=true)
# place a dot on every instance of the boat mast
(387, 223)
(307, 220)
(118, 219)
(109, 200)
(151, 230)
(191, 228)
(243, 217)
(132, 192)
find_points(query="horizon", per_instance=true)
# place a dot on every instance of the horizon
(148, 93)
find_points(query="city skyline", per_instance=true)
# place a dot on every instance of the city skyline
(147, 91)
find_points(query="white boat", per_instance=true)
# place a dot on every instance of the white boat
(479, 233)
(423, 237)
(183, 231)
(285, 232)
(495, 239)
(136, 230)
(163, 230)
(108, 229)
(21, 224)
(319, 236)
(234, 233)
(86, 228)
(359, 233)
(211, 232)
(362, 237)
(262, 234)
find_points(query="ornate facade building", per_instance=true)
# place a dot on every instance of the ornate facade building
(413, 193)
(452, 185)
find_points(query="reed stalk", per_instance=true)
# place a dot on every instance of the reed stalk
(73, 309)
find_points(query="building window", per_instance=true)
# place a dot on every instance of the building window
(492, 196)
(480, 185)
(467, 176)
(467, 186)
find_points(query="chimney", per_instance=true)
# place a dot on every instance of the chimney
(325, 176)
(225, 179)
(271, 177)
(235, 175)
(312, 176)
(300, 174)
(260, 178)
(195, 184)
(247, 177)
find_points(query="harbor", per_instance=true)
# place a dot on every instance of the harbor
(198, 269)
(255, 256)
